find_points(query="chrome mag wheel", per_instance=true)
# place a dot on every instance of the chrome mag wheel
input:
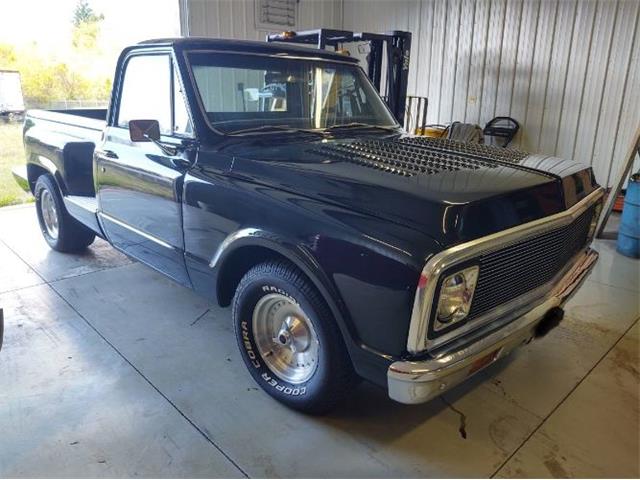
(285, 337)
(49, 213)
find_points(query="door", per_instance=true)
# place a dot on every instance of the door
(139, 184)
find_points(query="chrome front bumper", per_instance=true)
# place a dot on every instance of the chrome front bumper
(417, 382)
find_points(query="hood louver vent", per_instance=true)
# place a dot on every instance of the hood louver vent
(476, 150)
(407, 159)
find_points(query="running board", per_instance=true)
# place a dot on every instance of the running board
(85, 210)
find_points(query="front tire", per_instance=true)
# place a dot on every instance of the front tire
(60, 230)
(289, 339)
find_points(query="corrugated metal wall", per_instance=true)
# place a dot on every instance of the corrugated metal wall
(567, 70)
(236, 18)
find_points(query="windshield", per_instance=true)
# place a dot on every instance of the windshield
(244, 92)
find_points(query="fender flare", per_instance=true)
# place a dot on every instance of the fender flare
(296, 254)
(48, 166)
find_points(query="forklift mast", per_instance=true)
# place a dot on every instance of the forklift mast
(398, 49)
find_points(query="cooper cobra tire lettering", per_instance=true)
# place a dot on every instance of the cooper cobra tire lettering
(248, 347)
(263, 290)
(283, 388)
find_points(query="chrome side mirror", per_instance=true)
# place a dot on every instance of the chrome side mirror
(144, 130)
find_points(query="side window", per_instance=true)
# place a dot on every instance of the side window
(181, 122)
(146, 91)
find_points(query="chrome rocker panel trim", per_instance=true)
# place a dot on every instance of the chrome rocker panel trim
(120, 223)
(417, 340)
(417, 382)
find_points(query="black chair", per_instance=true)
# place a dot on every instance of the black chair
(500, 131)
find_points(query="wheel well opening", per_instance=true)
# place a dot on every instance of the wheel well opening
(33, 172)
(237, 265)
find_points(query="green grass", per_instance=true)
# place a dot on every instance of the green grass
(11, 155)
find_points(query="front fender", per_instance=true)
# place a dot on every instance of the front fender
(366, 268)
(368, 362)
(302, 258)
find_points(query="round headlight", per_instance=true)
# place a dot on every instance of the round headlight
(456, 294)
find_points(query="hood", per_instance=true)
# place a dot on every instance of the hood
(453, 192)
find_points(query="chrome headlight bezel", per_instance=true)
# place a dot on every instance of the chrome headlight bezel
(454, 297)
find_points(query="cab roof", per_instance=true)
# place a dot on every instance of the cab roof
(204, 43)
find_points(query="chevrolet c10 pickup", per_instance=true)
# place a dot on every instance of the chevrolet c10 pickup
(274, 179)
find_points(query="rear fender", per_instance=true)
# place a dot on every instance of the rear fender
(60, 154)
(40, 165)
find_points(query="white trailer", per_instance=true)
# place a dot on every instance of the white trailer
(11, 100)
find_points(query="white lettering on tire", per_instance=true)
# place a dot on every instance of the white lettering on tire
(272, 289)
(297, 391)
(247, 345)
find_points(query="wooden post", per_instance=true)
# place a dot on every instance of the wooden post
(613, 194)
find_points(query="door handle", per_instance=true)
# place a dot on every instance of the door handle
(180, 163)
(107, 153)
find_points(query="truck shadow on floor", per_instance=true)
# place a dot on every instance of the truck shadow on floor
(371, 413)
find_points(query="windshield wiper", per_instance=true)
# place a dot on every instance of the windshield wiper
(360, 125)
(289, 129)
(274, 129)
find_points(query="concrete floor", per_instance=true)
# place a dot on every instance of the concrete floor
(108, 369)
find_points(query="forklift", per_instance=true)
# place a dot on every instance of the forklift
(410, 111)
(396, 45)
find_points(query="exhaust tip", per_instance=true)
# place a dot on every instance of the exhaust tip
(550, 321)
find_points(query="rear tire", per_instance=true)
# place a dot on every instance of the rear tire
(289, 339)
(60, 230)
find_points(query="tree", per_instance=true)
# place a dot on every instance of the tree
(86, 26)
(45, 81)
(83, 13)
(8, 56)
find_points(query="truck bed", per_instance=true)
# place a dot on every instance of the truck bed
(89, 118)
(63, 141)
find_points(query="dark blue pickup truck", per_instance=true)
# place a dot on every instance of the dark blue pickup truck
(274, 179)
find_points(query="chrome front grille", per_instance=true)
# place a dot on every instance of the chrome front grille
(517, 266)
(517, 269)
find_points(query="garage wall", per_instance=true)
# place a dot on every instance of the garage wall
(568, 71)
(236, 18)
